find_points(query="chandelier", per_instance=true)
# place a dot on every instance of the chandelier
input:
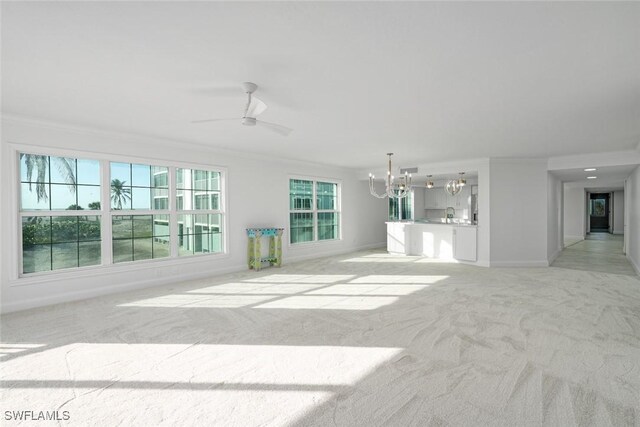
(429, 184)
(454, 186)
(393, 190)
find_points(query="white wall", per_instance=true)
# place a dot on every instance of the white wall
(484, 213)
(555, 235)
(574, 212)
(633, 224)
(257, 196)
(618, 212)
(518, 212)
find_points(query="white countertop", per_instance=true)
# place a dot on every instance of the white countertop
(453, 224)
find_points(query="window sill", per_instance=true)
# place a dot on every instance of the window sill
(99, 270)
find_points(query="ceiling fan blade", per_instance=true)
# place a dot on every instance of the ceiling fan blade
(215, 120)
(256, 107)
(282, 130)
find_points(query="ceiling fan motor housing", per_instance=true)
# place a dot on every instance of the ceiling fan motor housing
(249, 87)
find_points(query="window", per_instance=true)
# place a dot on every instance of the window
(597, 207)
(135, 188)
(137, 237)
(402, 210)
(58, 183)
(200, 216)
(53, 192)
(66, 224)
(314, 212)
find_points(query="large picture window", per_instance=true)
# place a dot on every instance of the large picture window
(314, 213)
(63, 213)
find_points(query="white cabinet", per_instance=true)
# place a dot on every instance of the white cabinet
(441, 241)
(431, 240)
(464, 243)
(462, 203)
(462, 199)
(435, 198)
(397, 239)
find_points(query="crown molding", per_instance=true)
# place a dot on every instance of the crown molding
(609, 158)
(17, 119)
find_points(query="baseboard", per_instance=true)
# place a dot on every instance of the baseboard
(474, 263)
(327, 253)
(80, 295)
(554, 256)
(110, 289)
(542, 263)
(576, 238)
(635, 266)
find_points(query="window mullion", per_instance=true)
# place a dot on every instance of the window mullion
(173, 213)
(105, 213)
(314, 205)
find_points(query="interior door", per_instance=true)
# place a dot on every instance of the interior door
(599, 207)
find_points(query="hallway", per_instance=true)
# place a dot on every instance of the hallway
(601, 252)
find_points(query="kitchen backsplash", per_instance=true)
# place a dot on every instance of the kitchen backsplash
(442, 213)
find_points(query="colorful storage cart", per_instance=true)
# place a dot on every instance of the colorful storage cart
(254, 251)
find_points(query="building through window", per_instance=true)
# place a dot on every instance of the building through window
(314, 210)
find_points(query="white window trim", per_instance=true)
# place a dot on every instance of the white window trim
(17, 278)
(220, 211)
(315, 211)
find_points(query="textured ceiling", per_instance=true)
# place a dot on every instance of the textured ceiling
(429, 81)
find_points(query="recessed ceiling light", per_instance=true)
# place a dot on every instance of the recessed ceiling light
(590, 169)
(591, 177)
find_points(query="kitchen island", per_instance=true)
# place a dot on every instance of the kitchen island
(447, 241)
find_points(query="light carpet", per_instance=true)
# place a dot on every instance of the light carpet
(364, 339)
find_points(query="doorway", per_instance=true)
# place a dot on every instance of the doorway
(599, 208)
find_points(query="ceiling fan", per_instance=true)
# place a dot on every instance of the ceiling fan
(254, 108)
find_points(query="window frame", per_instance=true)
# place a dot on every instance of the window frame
(314, 208)
(106, 266)
(220, 211)
(139, 212)
(399, 202)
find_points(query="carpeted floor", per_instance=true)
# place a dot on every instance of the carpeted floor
(598, 252)
(363, 339)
